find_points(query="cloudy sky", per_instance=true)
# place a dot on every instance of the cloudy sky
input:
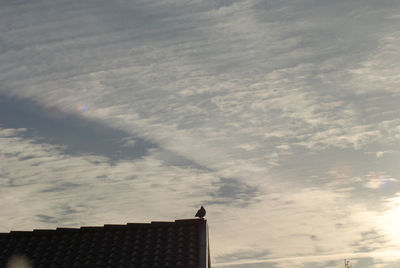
(281, 117)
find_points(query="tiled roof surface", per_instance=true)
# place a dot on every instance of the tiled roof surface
(156, 244)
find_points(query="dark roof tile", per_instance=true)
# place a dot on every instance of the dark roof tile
(156, 244)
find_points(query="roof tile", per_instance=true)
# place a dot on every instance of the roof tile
(156, 244)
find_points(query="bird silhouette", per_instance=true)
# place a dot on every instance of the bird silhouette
(201, 213)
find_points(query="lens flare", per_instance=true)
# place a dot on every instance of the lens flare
(18, 261)
(81, 108)
(341, 172)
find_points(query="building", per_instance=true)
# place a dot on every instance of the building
(182, 243)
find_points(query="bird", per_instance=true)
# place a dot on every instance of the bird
(201, 212)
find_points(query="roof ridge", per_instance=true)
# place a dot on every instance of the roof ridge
(109, 226)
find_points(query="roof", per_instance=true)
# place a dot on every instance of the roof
(182, 243)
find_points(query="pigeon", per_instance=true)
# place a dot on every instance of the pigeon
(201, 213)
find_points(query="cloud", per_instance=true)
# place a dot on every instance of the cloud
(78, 135)
(322, 260)
(379, 73)
(389, 218)
(174, 86)
(380, 154)
(370, 241)
(66, 182)
(233, 192)
(241, 256)
(52, 188)
(243, 105)
(376, 180)
(304, 215)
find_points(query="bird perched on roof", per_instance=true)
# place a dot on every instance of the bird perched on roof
(201, 213)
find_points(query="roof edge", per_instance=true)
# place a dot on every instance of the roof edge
(109, 226)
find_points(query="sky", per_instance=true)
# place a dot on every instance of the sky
(280, 117)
